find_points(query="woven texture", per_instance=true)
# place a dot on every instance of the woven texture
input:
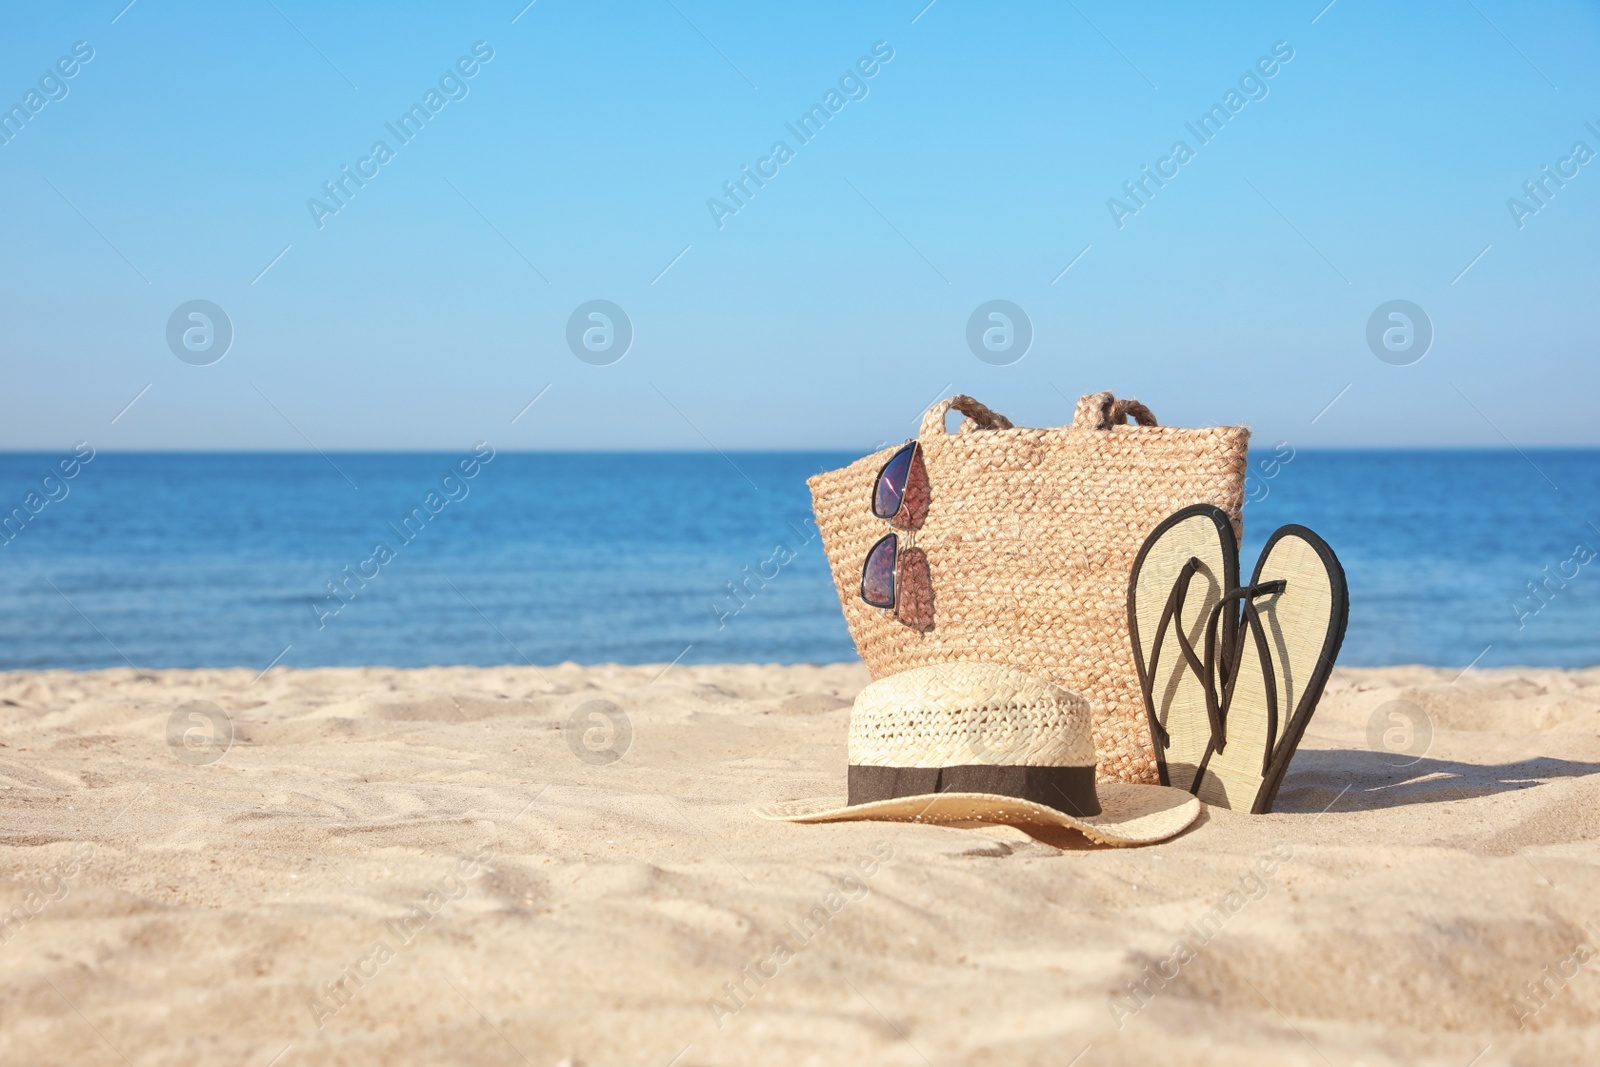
(1030, 536)
(959, 714)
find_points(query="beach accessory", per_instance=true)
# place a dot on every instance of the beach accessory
(1175, 585)
(1028, 537)
(964, 743)
(893, 578)
(1231, 674)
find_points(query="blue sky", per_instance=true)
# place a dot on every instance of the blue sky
(577, 164)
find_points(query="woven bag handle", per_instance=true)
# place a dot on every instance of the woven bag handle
(1101, 411)
(978, 417)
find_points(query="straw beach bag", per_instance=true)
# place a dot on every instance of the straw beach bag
(1029, 537)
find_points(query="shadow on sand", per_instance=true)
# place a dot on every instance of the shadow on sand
(1383, 780)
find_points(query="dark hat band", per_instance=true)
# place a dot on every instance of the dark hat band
(1066, 789)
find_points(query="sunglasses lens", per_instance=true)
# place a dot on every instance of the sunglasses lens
(877, 575)
(891, 487)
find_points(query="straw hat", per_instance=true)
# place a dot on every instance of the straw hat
(982, 743)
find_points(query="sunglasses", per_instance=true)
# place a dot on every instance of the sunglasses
(894, 578)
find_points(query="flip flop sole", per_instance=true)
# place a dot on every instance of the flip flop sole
(1174, 696)
(1303, 627)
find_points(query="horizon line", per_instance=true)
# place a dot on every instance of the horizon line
(1510, 449)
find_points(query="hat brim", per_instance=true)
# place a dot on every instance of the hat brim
(1129, 814)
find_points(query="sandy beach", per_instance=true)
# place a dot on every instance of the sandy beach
(430, 866)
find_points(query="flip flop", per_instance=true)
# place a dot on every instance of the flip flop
(1179, 579)
(1289, 623)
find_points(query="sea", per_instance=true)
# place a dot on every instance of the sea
(1454, 557)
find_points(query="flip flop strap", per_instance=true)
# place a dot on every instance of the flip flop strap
(1247, 620)
(1200, 666)
(1174, 604)
(1212, 669)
